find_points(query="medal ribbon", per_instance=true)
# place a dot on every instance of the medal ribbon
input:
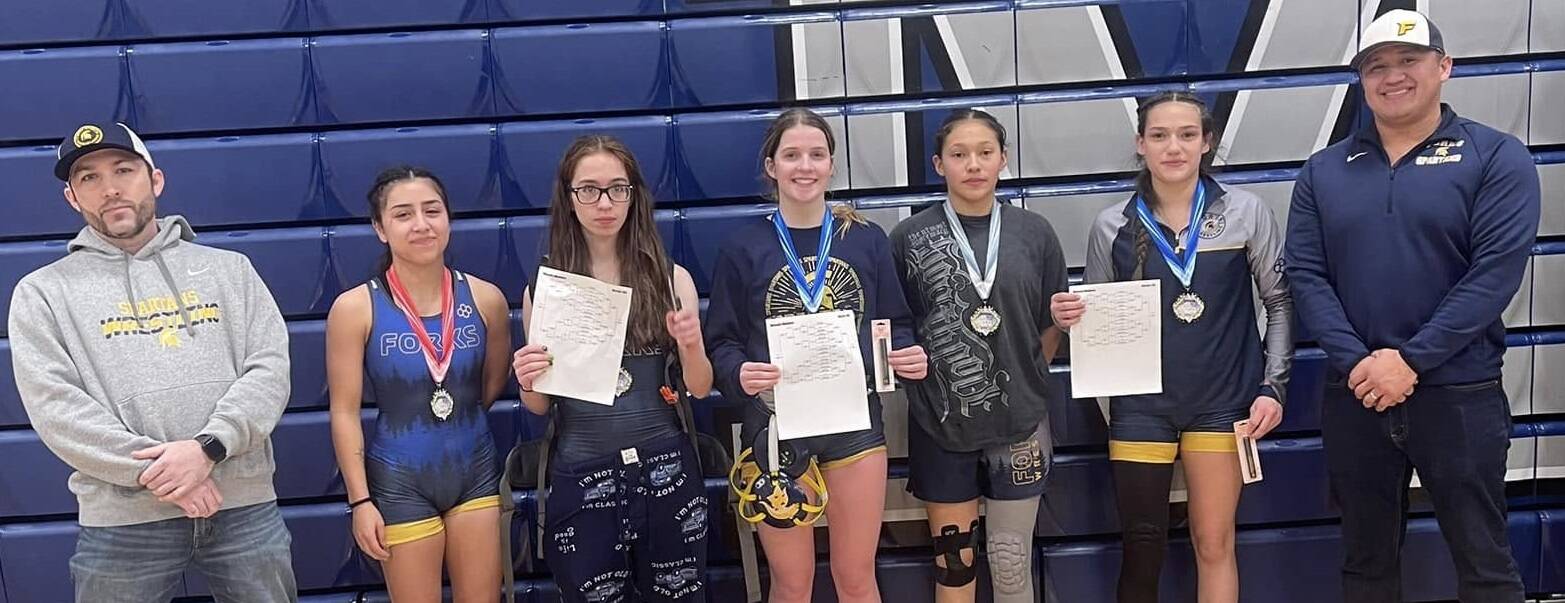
(812, 293)
(438, 364)
(1183, 268)
(984, 281)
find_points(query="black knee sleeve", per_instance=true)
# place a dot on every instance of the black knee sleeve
(1142, 492)
(949, 545)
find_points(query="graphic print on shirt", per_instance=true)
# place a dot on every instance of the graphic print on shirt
(844, 290)
(974, 383)
(159, 316)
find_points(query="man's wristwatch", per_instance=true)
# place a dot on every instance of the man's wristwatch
(212, 447)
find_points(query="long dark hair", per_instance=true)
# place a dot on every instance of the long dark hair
(643, 262)
(377, 198)
(1144, 177)
(800, 116)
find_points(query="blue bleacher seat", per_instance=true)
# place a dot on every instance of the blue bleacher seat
(1295, 488)
(355, 251)
(529, 240)
(34, 481)
(705, 231)
(437, 74)
(220, 85)
(331, 598)
(1305, 387)
(590, 67)
(347, 14)
(482, 247)
(32, 196)
(33, 21)
(172, 18)
(11, 411)
(727, 60)
(51, 92)
(719, 153)
(1552, 550)
(535, 10)
(18, 259)
(324, 554)
(307, 361)
(1074, 422)
(1080, 500)
(36, 561)
(699, 6)
(533, 151)
(1427, 573)
(302, 450)
(502, 425)
(292, 261)
(461, 156)
(242, 179)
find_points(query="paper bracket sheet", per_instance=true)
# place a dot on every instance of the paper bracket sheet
(822, 387)
(582, 321)
(1117, 348)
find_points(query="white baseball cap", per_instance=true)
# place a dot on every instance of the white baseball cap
(1398, 27)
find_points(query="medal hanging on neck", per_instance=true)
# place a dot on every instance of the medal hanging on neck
(438, 361)
(1188, 306)
(812, 291)
(985, 320)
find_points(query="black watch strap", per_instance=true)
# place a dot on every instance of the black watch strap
(213, 448)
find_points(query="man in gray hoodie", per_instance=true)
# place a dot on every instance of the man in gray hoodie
(156, 368)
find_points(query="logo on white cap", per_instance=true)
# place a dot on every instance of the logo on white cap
(1399, 26)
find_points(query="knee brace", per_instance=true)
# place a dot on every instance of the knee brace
(1009, 529)
(949, 546)
(1010, 566)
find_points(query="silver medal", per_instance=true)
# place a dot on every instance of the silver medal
(985, 320)
(441, 403)
(624, 383)
(1188, 307)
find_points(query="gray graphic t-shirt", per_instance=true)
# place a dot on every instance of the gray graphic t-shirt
(980, 390)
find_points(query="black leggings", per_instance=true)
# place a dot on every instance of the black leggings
(1142, 491)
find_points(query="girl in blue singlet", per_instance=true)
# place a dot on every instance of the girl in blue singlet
(428, 346)
(626, 514)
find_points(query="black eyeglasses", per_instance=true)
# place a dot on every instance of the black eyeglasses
(588, 194)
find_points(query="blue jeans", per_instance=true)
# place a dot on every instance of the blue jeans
(1457, 437)
(243, 552)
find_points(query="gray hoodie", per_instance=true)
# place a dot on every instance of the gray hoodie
(115, 352)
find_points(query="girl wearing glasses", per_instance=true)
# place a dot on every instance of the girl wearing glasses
(762, 273)
(626, 512)
(428, 345)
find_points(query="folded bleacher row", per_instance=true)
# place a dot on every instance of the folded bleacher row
(270, 179)
(678, 63)
(272, 116)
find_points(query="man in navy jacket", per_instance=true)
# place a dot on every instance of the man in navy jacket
(1405, 243)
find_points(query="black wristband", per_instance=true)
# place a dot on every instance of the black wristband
(358, 502)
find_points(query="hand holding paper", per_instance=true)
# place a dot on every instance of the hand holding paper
(1117, 346)
(821, 389)
(581, 322)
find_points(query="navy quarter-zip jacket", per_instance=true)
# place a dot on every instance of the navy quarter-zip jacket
(1422, 256)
